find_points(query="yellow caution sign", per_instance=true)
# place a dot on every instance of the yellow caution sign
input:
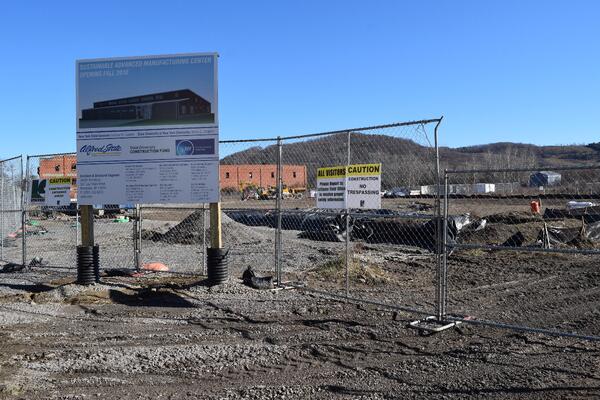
(59, 181)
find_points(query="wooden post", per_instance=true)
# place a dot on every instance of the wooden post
(215, 226)
(87, 225)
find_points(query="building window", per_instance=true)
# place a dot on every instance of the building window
(226, 175)
(73, 167)
(294, 174)
(57, 168)
(250, 175)
(272, 174)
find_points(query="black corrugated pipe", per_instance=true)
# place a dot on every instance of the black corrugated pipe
(217, 265)
(88, 265)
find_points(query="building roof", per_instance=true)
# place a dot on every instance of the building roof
(149, 98)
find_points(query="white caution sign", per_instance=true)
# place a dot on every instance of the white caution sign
(353, 186)
(54, 192)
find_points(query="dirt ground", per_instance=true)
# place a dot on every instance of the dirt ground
(170, 336)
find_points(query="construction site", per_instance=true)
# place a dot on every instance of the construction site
(299, 200)
(458, 292)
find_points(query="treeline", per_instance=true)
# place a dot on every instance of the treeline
(406, 163)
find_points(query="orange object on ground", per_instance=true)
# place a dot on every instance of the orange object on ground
(535, 207)
(156, 267)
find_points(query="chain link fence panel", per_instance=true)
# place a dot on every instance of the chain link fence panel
(11, 232)
(176, 236)
(523, 246)
(52, 232)
(383, 255)
(248, 176)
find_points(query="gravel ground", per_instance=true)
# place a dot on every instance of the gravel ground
(170, 336)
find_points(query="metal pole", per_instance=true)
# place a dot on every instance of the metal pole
(1, 210)
(204, 238)
(444, 291)
(137, 232)
(140, 243)
(347, 272)
(76, 225)
(438, 214)
(24, 185)
(278, 201)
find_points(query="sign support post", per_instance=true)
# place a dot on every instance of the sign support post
(215, 226)
(87, 225)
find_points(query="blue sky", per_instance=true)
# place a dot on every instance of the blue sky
(526, 71)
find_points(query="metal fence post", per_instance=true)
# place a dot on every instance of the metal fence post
(24, 186)
(137, 232)
(76, 226)
(204, 209)
(278, 200)
(1, 211)
(438, 226)
(347, 272)
(444, 280)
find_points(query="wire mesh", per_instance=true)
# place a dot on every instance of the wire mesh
(175, 236)
(390, 252)
(248, 175)
(52, 231)
(523, 244)
(10, 210)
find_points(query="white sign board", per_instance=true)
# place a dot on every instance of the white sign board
(147, 130)
(54, 192)
(353, 186)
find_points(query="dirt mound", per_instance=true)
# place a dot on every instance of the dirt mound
(189, 231)
(361, 273)
(501, 234)
(514, 217)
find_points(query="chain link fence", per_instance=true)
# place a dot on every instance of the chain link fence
(11, 229)
(523, 246)
(249, 176)
(52, 232)
(175, 236)
(386, 255)
(484, 246)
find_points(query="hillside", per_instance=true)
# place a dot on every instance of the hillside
(407, 163)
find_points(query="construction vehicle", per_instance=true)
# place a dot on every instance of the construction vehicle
(292, 193)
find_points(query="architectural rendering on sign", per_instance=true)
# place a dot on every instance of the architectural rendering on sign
(132, 93)
(178, 105)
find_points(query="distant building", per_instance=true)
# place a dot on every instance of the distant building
(261, 175)
(544, 178)
(464, 188)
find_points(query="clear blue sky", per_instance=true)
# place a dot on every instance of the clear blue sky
(526, 71)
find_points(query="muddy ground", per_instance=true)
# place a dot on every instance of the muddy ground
(166, 336)
(169, 335)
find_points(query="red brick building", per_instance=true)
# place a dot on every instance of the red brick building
(261, 175)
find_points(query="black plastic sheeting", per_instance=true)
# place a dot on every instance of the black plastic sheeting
(571, 236)
(376, 226)
(588, 214)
